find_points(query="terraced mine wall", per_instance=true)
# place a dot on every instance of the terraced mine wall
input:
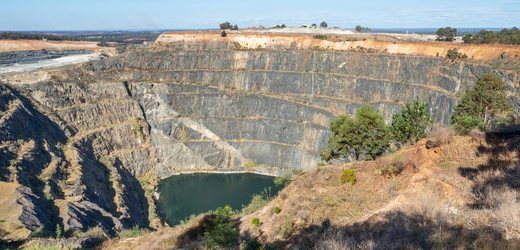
(84, 154)
(88, 153)
(34, 56)
(339, 81)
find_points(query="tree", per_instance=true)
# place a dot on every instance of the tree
(313, 25)
(504, 36)
(221, 231)
(225, 26)
(366, 135)
(362, 29)
(228, 26)
(487, 99)
(455, 54)
(223, 34)
(468, 38)
(411, 124)
(446, 34)
(323, 24)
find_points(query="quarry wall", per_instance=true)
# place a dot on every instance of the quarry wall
(77, 152)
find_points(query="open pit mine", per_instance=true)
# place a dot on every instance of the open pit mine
(85, 146)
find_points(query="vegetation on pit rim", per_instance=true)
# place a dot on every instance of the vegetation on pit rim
(255, 221)
(479, 106)
(362, 29)
(349, 176)
(258, 201)
(367, 135)
(228, 26)
(412, 123)
(221, 232)
(504, 36)
(446, 34)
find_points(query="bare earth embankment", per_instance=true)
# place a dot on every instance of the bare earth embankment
(340, 42)
(20, 45)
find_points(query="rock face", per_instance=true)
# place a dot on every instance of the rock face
(32, 56)
(340, 81)
(89, 154)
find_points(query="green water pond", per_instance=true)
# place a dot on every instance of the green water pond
(187, 194)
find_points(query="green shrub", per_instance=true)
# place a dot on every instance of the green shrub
(132, 233)
(221, 231)
(223, 34)
(58, 231)
(277, 210)
(395, 167)
(187, 220)
(39, 233)
(255, 221)
(348, 176)
(286, 228)
(253, 244)
(94, 232)
(297, 171)
(283, 179)
(466, 123)
(480, 105)
(412, 123)
(366, 135)
(258, 201)
(49, 196)
(322, 37)
(321, 164)
(454, 54)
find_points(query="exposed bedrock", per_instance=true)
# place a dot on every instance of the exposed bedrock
(112, 136)
(72, 153)
(341, 81)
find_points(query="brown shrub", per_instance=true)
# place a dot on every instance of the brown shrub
(391, 165)
(441, 135)
(477, 134)
(94, 232)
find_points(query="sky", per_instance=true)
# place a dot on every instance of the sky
(41, 15)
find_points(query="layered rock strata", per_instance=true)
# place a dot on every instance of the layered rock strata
(87, 154)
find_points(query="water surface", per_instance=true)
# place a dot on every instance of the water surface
(184, 195)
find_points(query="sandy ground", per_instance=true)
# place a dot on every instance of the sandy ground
(339, 31)
(19, 45)
(300, 30)
(57, 62)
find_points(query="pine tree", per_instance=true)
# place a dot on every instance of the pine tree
(411, 124)
(366, 135)
(487, 99)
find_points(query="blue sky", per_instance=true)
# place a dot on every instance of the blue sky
(198, 14)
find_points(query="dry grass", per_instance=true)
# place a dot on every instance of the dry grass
(319, 196)
(95, 232)
(489, 219)
(472, 204)
(442, 135)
